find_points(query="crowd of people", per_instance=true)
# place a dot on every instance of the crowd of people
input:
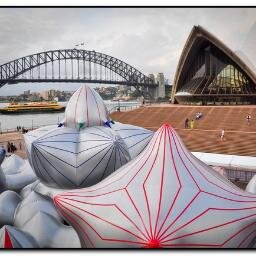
(11, 148)
(199, 115)
(21, 129)
(191, 124)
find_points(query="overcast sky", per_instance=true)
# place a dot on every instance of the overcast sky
(150, 39)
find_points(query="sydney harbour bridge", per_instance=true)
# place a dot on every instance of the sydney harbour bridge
(74, 65)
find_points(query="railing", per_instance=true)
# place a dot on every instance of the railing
(123, 108)
(29, 128)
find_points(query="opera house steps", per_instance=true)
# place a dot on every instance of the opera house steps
(239, 139)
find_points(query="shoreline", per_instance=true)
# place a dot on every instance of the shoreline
(17, 139)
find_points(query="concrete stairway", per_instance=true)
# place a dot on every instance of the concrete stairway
(240, 138)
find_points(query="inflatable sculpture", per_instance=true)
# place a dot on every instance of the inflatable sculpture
(27, 218)
(33, 135)
(9, 201)
(86, 148)
(34, 222)
(251, 186)
(84, 109)
(2, 176)
(50, 233)
(41, 189)
(163, 198)
(65, 157)
(136, 138)
(2, 155)
(17, 173)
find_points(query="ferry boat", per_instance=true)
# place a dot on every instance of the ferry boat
(32, 107)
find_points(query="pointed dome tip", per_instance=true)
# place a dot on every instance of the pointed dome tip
(166, 126)
(7, 240)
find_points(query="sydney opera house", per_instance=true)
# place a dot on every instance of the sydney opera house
(209, 72)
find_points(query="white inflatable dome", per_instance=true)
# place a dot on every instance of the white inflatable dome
(67, 158)
(85, 109)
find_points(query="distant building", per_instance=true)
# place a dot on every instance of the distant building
(122, 87)
(51, 94)
(44, 95)
(34, 97)
(161, 85)
(151, 76)
(27, 93)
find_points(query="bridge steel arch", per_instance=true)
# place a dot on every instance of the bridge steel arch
(10, 71)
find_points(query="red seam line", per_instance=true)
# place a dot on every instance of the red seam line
(161, 185)
(239, 231)
(76, 105)
(73, 221)
(97, 106)
(74, 200)
(173, 222)
(207, 229)
(97, 217)
(185, 154)
(180, 186)
(226, 198)
(205, 211)
(104, 239)
(140, 157)
(144, 189)
(184, 163)
(136, 209)
(87, 111)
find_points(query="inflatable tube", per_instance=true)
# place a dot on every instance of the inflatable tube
(9, 201)
(41, 189)
(251, 186)
(49, 233)
(2, 181)
(13, 238)
(28, 189)
(12, 164)
(17, 173)
(2, 155)
(31, 205)
(24, 176)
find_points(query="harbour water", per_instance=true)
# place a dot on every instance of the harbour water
(10, 122)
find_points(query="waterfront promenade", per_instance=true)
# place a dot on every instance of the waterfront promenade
(240, 138)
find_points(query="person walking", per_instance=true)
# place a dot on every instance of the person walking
(192, 124)
(8, 147)
(186, 123)
(248, 118)
(222, 135)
